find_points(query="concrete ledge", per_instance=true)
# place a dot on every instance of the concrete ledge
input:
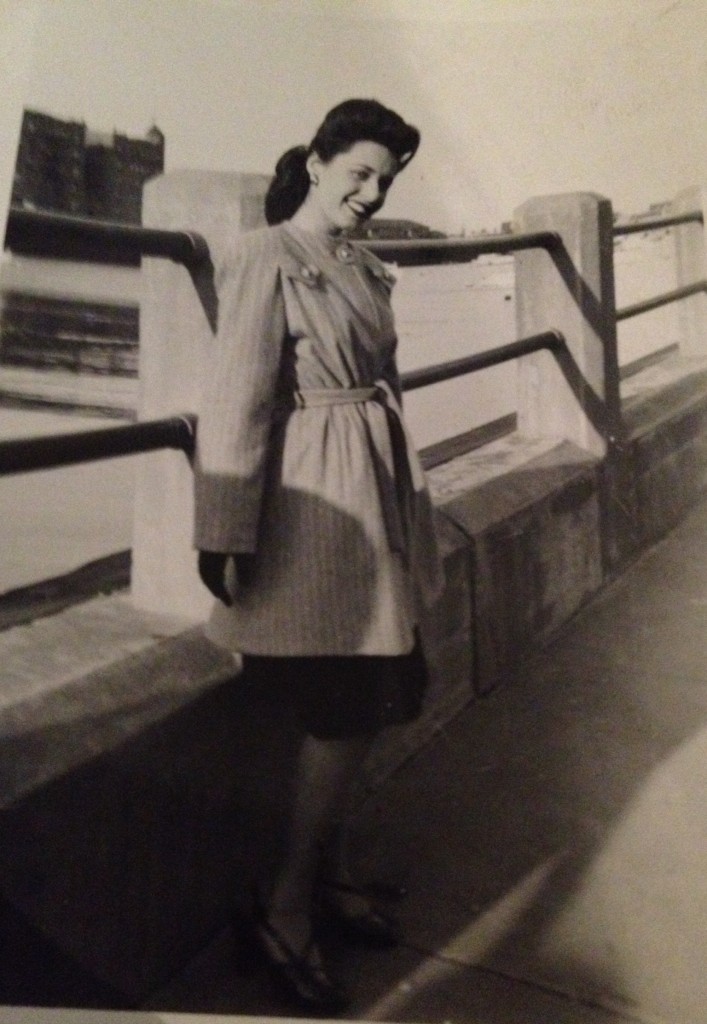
(534, 535)
(85, 681)
(129, 862)
(144, 783)
(666, 421)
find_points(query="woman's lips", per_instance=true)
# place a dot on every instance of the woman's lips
(361, 212)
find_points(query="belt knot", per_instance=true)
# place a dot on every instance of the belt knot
(306, 398)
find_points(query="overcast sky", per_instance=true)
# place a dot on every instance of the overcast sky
(514, 98)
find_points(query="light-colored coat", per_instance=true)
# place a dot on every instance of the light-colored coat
(327, 491)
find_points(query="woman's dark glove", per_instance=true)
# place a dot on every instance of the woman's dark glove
(225, 574)
(212, 570)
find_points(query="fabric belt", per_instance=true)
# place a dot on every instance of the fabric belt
(308, 397)
(394, 457)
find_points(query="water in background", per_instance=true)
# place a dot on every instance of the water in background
(645, 266)
(54, 521)
(444, 313)
(451, 311)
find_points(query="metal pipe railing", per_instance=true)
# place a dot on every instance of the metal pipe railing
(415, 252)
(50, 233)
(646, 305)
(654, 223)
(30, 453)
(551, 340)
(44, 233)
(47, 232)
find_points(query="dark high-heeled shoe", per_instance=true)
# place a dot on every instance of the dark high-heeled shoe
(300, 976)
(350, 910)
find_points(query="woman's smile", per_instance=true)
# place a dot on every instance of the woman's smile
(361, 213)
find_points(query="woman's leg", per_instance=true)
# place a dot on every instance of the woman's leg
(325, 773)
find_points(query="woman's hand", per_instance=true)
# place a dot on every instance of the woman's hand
(225, 575)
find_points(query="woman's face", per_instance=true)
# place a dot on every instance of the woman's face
(352, 186)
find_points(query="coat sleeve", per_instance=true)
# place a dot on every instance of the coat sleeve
(236, 409)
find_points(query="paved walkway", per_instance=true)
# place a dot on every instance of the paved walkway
(553, 836)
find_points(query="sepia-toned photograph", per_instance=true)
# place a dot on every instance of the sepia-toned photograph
(353, 511)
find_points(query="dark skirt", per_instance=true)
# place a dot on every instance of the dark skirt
(340, 697)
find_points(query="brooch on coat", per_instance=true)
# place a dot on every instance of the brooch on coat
(310, 274)
(345, 253)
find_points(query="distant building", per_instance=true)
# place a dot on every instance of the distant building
(65, 167)
(49, 171)
(116, 170)
(380, 227)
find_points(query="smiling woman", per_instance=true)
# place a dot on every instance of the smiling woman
(336, 151)
(313, 520)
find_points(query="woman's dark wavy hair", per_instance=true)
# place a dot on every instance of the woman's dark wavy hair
(346, 124)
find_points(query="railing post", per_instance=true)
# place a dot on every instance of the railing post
(177, 320)
(571, 290)
(691, 259)
(575, 395)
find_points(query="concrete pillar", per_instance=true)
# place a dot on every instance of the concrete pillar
(576, 396)
(691, 258)
(177, 323)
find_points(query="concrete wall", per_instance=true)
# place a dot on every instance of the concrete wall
(143, 791)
